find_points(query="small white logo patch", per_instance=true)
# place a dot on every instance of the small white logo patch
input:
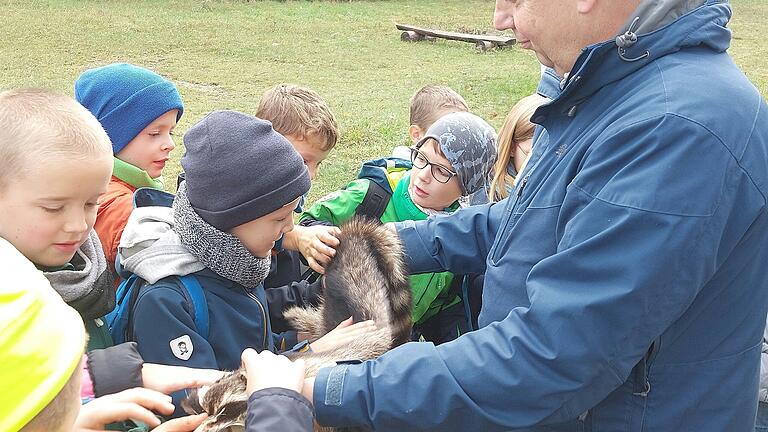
(182, 347)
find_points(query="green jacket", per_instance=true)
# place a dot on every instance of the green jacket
(431, 291)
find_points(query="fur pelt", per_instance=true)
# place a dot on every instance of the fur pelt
(367, 280)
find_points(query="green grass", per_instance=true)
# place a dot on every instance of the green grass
(225, 54)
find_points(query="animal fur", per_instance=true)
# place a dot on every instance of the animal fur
(366, 280)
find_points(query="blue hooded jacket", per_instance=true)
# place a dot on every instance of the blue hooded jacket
(626, 284)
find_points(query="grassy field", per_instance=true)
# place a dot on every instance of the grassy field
(225, 54)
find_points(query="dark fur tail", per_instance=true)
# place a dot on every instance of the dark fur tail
(367, 280)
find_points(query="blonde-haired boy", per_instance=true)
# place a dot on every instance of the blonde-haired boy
(430, 103)
(57, 161)
(300, 114)
(37, 126)
(427, 105)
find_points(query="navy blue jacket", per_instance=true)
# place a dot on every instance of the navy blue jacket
(626, 284)
(238, 319)
(278, 410)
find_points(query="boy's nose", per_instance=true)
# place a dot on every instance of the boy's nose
(169, 144)
(76, 223)
(425, 174)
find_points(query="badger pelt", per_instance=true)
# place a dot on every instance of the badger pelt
(367, 280)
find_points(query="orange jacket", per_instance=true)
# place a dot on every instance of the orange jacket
(115, 207)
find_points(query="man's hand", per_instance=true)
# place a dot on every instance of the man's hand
(343, 334)
(168, 379)
(134, 404)
(308, 389)
(317, 243)
(266, 370)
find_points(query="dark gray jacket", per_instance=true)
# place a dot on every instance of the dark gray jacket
(279, 410)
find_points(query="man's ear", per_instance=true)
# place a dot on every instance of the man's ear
(585, 6)
(415, 133)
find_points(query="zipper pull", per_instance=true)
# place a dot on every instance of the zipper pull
(522, 186)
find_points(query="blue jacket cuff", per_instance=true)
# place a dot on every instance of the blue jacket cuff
(418, 257)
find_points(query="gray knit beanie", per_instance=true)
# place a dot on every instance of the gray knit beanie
(239, 169)
(469, 144)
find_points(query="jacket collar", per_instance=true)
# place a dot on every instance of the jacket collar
(604, 63)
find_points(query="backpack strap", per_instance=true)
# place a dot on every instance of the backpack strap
(196, 296)
(125, 298)
(128, 292)
(375, 201)
(379, 190)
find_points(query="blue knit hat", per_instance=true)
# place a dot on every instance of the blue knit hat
(126, 99)
(239, 169)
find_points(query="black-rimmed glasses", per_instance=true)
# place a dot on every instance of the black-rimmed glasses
(439, 172)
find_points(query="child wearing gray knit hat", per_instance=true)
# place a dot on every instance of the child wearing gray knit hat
(243, 181)
(239, 169)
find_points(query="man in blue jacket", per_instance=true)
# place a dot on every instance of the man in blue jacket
(626, 284)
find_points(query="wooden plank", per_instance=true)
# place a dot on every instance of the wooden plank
(464, 37)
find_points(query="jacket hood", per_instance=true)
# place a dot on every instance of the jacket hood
(150, 248)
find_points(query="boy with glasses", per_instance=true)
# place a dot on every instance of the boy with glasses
(451, 160)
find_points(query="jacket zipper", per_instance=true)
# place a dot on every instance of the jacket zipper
(522, 186)
(263, 313)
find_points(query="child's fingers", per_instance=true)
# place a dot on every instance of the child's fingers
(122, 411)
(329, 238)
(314, 265)
(146, 398)
(301, 367)
(183, 424)
(362, 326)
(321, 255)
(346, 323)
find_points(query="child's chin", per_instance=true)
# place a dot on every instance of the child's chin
(59, 261)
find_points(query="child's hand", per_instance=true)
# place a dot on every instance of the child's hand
(317, 244)
(183, 424)
(168, 379)
(134, 404)
(267, 370)
(343, 334)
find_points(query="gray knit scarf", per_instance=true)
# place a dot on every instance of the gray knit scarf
(88, 287)
(217, 250)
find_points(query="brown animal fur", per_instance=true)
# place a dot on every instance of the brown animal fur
(366, 280)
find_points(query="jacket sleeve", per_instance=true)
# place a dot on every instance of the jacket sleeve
(278, 410)
(633, 252)
(337, 206)
(115, 369)
(458, 243)
(301, 294)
